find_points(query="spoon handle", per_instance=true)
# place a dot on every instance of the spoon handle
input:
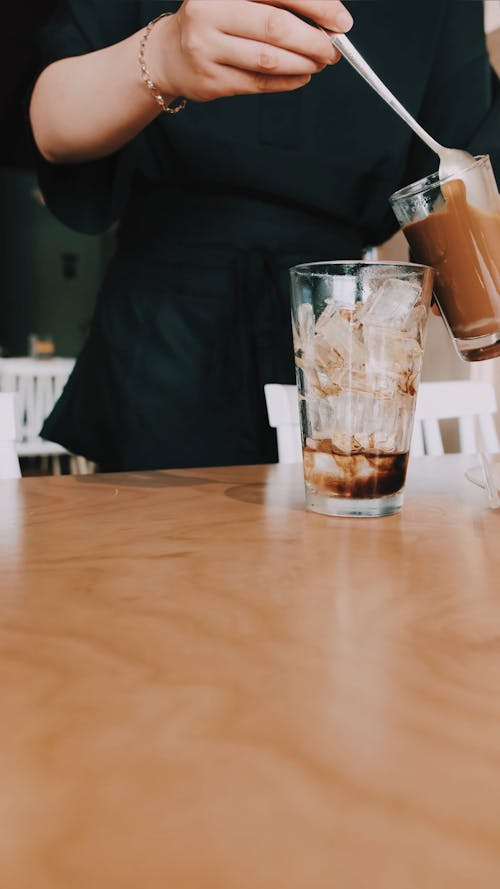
(344, 45)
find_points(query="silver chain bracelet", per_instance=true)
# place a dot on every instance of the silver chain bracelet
(169, 108)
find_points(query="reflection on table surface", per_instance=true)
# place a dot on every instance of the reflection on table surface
(205, 686)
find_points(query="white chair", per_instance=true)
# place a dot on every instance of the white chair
(9, 462)
(472, 404)
(283, 412)
(37, 385)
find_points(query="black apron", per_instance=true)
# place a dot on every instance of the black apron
(192, 320)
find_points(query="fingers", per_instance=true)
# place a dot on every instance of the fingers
(279, 28)
(249, 82)
(263, 58)
(330, 14)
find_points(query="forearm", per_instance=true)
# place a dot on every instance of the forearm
(89, 106)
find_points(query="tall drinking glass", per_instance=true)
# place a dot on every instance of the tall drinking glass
(453, 225)
(358, 333)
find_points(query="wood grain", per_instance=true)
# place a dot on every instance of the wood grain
(205, 687)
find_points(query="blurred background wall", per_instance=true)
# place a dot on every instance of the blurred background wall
(49, 275)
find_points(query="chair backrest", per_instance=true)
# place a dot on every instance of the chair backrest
(37, 385)
(283, 411)
(472, 404)
(9, 462)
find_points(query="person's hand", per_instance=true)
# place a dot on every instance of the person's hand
(215, 48)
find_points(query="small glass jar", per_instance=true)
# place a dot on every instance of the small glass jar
(453, 225)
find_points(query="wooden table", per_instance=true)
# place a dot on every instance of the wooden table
(205, 687)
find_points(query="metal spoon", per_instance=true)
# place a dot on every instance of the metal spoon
(452, 161)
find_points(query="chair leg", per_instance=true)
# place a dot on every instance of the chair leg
(56, 466)
(80, 466)
(86, 466)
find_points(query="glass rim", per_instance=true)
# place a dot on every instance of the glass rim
(357, 263)
(433, 180)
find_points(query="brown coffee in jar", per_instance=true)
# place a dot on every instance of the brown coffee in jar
(363, 475)
(462, 244)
